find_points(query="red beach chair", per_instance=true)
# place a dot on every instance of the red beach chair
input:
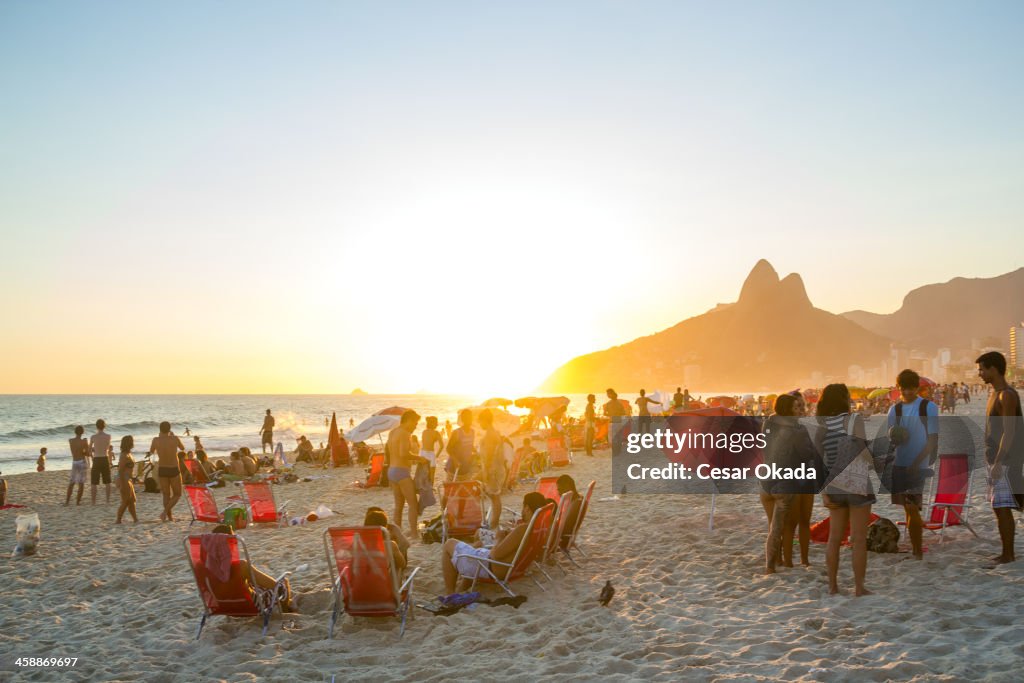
(548, 487)
(202, 505)
(558, 525)
(226, 586)
(558, 455)
(375, 473)
(572, 543)
(530, 548)
(463, 511)
(952, 488)
(198, 473)
(364, 579)
(262, 508)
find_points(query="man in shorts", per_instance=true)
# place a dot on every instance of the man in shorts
(1004, 449)
(166, 446)
(99, 443)
(79, 464)
(267, 431)
(918, 421)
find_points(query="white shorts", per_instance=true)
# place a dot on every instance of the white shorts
(79, 471)
(429, 455)
(464, 562)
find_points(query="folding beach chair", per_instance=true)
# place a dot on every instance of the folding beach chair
(548, 487)
(513, 471)
(952, 489)
(262, 508)
(530, 548)
(364, 579)
(226, 586)
(463, 511)
(202, 504)
(572, 543)
(375, 473)
(198, 473)
(558, 529)
(558, 454)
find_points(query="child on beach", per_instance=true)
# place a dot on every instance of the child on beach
(125, 470)
(41, 462)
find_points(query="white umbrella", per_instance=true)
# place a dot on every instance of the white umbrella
(372, 426)
(504, 422)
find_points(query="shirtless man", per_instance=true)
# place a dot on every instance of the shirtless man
(1004, 449)
(267, 432)
(458, 559)
(100, 445)
(166, 446)
(645, 412)
(399, 454)
(79, 465)
(589, 425)
(615, 412)
(432, 444)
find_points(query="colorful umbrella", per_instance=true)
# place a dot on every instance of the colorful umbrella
(876, 393)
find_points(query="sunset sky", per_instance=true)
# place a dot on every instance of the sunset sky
(460, 196)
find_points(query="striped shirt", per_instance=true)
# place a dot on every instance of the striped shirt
(835, 430)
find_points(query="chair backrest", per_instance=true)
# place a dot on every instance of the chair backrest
(951, 487)
(558, 526)
(464, 507)
(216, 561)
(203, 504)
(261, 502)
(198, 473)
(532, 546)
(548, 487)
(513, 470)
(361, 557)
(584, 506)
(376, 470)
(558, 455)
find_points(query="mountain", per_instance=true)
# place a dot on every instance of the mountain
(770, 338)
(953, 313)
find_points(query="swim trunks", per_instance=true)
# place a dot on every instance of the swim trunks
(397, 474)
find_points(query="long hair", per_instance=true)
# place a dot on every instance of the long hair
(835, 400)
(127, 443)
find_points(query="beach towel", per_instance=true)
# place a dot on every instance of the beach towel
(216, 556)
(424, 491)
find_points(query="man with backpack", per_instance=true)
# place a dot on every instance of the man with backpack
(914, 431)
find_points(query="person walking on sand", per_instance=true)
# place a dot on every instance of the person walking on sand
(589, 425)
(644, 412)
(166, 446)
(400, 455)
(125, 472)
(914, 431)
(1004, 449)
(99, 444)
(267, 431)
(79, 464)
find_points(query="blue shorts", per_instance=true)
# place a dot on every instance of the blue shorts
(397, 474)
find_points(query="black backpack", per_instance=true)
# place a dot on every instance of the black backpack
(883, 536)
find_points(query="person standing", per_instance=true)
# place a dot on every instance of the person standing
(799, 520)
(166, 446)
(267, 432)
(914, 431)
(400, 455)
(99, 444)
(125, 472)
(41, 461)
(432, 445)
(644, 412)
(492, 449)
(589, 425)
(1004, 449)
(79, 464)
(616, 413)
(461, 449)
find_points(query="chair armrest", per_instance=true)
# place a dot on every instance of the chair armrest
(951, 505)
(408, 580)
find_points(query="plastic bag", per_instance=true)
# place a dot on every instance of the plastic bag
(26, 534)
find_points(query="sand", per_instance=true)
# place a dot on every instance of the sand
(689, 605)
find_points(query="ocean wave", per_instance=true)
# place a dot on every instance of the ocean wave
(68, 430)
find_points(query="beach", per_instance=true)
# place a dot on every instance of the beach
(690, 604)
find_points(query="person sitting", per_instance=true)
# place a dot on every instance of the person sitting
(237, 464)
(263, 580)
(362, 453)
(186, 475)
(399, 543)
(460, 559)
(304, 450)
(565, 484)
(527, 455)
(204, 462)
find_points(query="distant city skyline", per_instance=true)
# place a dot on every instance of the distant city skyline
(459, 197)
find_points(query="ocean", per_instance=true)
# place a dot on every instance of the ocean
(224, 423)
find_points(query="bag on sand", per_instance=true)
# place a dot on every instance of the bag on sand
(26, 534)
(150, 485)
(883, 536)
(432, 531)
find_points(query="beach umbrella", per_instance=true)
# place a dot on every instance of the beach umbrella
(372, 426)
(497, 403)
(723, 401)
(504, 422)
(924, 390)
(877, 393)
(339, 451)
(858, 393)
(526, 402)
(545, 407)
(393, 410)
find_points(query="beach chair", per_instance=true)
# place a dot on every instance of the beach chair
(558, 454)
(554, 540)
(364, 579)
(513, 471)
(949, 506)
(202, 505)
(463, 511)
(260, 500)
(198, 473)
(375, 473)
(548, 487)
(572, 543)
(530, 548)
(226, 586)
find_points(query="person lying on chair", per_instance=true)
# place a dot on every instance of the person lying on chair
(458, 557)
(263, 580)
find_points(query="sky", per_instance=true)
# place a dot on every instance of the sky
(267, 197)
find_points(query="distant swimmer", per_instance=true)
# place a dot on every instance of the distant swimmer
(267, 430)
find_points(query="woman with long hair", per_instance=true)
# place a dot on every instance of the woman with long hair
(125, 467)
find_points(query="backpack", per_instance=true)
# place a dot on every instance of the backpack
(432, 531)
(150, 485)
(883, 536)
(922, 411)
